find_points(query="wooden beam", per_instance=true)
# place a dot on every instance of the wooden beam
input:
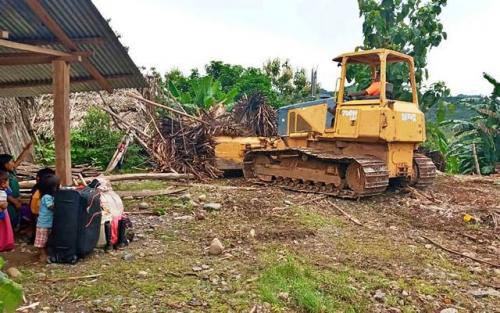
(4, 34)
(37, 59)
(55, 41)
(59, 33)
(11, 59)
(62, 121)
(41, 83)
(30, 48)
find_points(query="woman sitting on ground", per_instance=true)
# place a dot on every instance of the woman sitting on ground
(6, 233)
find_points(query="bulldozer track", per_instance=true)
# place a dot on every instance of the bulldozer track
(372, 171)
(426, 170)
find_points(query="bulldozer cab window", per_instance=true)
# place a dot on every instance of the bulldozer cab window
(398, 79)
(359, 82)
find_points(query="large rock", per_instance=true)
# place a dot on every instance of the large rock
(13, 272)
(212, 206)
(216, 247)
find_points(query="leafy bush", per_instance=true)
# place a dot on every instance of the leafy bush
(94, 142)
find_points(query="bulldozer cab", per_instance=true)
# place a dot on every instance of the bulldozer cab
(369, 77)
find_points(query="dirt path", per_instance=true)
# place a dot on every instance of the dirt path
(296, 257)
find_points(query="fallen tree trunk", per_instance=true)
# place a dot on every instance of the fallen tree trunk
(148, 176)
(149, 193)
(123, 177)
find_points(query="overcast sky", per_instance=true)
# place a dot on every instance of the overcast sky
(188, 34)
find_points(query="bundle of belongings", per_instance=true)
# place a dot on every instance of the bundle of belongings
(85, 218)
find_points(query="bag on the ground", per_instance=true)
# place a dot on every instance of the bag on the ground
(112, 214)
(76, 226)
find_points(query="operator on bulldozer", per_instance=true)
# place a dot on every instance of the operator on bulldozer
(372, 90)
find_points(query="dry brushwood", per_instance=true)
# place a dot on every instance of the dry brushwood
(186, 145)
(256, 115)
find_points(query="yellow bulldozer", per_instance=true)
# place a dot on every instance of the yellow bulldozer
(350, 146)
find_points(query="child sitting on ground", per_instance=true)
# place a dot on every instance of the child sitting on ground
(49, 184)
(6, 233)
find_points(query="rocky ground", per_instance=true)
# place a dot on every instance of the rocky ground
(287, 252)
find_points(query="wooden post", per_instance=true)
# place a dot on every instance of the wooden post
(62, 121)
(476, 160)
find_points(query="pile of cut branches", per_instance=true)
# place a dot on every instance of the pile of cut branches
(256, 115)
(186, 145)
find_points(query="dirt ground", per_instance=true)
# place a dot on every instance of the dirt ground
(287, 252)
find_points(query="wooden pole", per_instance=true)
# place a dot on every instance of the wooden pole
(476, 160)
(165, 107)
(61, 84)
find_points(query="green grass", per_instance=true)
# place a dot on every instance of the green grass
(315, 220)
(141, 185)
(308, 289)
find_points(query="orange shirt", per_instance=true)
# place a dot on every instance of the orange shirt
(374, 89)
(35, 202)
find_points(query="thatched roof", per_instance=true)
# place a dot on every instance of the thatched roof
(127, 107)
(13, 132)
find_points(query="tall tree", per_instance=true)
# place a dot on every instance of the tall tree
(414, 28)
(409, 26)
(291, 83)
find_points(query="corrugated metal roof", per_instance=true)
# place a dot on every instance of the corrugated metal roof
(79, 19)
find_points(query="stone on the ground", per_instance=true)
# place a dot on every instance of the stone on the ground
(128, 256)
(186, 197)
(184, 218)
(212, 206)
(197, 269)
(288, 202)
(482, 293)
(216, 247)
(40, 275)
(379, 296)
(283, 296)
(142, 274)
(252, 233)
(202, 198)
(449, 310)
(13, 272)
(143, 206)
(205, 267)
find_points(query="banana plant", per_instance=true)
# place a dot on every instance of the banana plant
(482, 130)
(11, 293)
(203, 93)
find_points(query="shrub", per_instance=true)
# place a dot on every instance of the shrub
(94, 143)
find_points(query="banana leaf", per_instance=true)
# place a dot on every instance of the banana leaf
(11, 294)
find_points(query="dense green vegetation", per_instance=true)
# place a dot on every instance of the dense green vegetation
(94, 142)
(224, 83)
